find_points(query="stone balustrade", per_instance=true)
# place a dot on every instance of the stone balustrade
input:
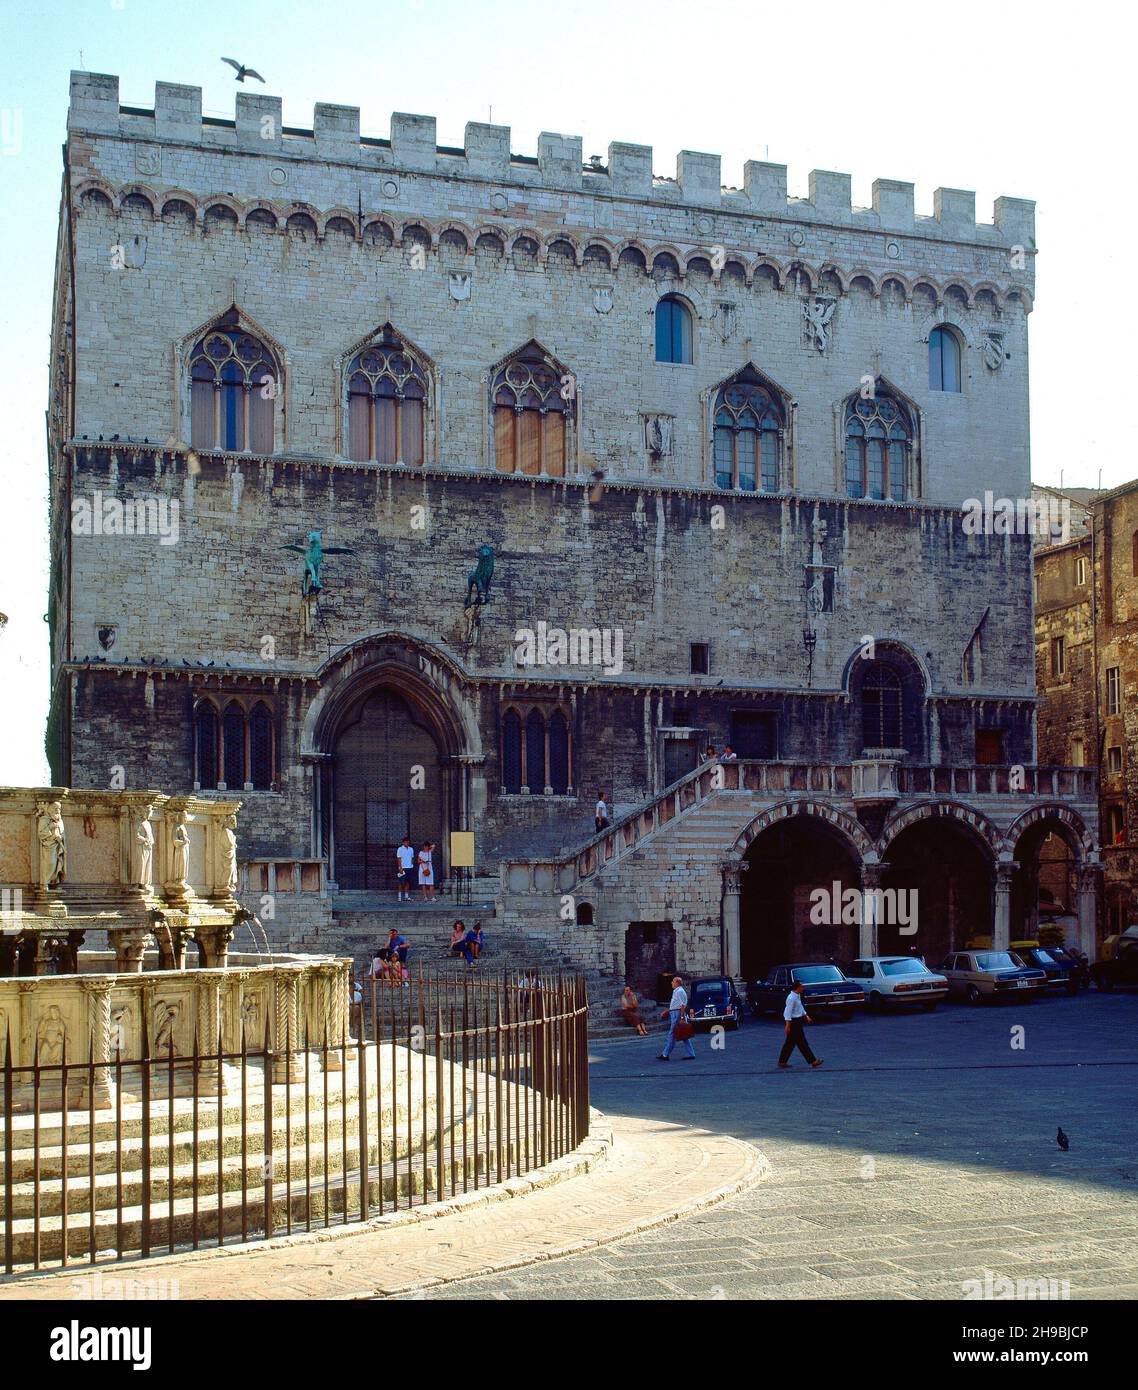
(272, 875)
(864, 779)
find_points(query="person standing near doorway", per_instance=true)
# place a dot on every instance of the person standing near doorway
(405, 862)
(795, 1018)
(676, 1012)
(427, 872)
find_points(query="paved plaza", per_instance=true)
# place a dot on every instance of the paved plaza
(922, 1155)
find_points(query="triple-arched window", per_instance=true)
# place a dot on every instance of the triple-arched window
(673, 331)
(749, 429)
(234, 746)
(387, 394)
(536, 751)
(879, 446)
(234, 384)
(534, 401)
(944, 360)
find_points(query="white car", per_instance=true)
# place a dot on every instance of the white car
(898, 980)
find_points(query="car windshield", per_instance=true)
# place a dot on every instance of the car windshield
(816, 974)
(707, 991)
(994, 960)
(903, 967)
(1059, 954)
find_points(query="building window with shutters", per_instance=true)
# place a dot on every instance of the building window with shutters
(534, 402)
(536, 755)
(879, 439)
(881, 707)
(673, 331)
(234, 384)
(1114, 690)
(387, 393)
(234, 746)
(749, 422)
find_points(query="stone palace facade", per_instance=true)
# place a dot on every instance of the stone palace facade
(713, 443)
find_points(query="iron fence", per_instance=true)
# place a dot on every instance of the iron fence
(450, 1083)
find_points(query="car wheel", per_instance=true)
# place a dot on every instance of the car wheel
(876, 1003)
(1073, 987)
(928, 1005)
(973, 994)
(1104, 982)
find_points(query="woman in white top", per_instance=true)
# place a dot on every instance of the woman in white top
(426, 872)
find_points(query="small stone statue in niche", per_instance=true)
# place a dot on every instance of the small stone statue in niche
(53, 844)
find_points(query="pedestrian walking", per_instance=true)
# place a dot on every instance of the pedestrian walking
(680, 1029)
(427, 872)
(405, 862)
(795, 1016)
(602, 813)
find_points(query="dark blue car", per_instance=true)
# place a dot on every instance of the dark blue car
(826, 991)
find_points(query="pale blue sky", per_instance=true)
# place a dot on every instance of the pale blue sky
(1000, 98)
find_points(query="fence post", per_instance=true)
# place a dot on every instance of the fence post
(438, 1097)
(361, 1107)
(267, 1150)
(8, 1149)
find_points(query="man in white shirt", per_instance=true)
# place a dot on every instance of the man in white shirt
(795, 1016)
(405, 862)
(602, 813)
(675, 1012)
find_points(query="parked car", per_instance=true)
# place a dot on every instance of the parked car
(898, 980)
(979, 975)
(1119, 966)
(1075, 960)
(1063, 971)
(825, 991)
(715, 1000)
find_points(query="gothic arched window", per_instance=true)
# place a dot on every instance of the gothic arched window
(511, 754)
(749, 421)
(879, 444)
(234, 383)
(205, 745)
(881, 707)
(673, 331)
(387, 392)
(944, 360)
(533, 401)
(536, 751)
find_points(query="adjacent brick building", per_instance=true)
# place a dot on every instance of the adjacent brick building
(728, 432)
(1086, 632)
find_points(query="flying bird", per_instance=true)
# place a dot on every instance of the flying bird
(242, 71)
(1062, 1140)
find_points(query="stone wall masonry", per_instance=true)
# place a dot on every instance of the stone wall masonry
(661, 567)
(319, 297)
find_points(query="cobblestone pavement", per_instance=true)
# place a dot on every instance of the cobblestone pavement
(922, 1155)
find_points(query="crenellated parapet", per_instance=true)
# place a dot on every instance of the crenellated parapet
(626, 174)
